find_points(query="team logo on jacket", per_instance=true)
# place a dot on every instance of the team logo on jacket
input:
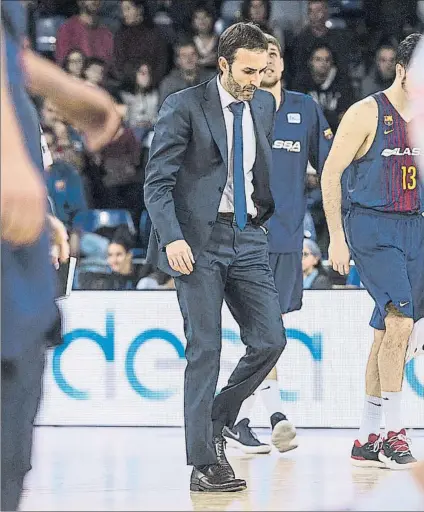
(294, 118)
(291, 146)
(328, 133)
(388, 120)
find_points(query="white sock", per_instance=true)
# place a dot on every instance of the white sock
(371, 418)
(270, 394)
(246, 407)
(392, 406)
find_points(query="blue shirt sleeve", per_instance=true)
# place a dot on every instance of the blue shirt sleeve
(320, 136)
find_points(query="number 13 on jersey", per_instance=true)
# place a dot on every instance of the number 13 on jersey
(409, 177)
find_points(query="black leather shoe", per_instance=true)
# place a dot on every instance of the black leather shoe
(214, 478)
(219, 443)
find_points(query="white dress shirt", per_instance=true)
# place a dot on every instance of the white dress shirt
(249, 153)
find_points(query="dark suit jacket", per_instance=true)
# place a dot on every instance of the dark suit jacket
(188, 165)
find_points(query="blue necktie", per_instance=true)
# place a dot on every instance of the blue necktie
(240, 209)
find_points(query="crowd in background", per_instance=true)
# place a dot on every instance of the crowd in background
(141, 51)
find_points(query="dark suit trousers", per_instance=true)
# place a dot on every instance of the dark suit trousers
(21, 384)
(234, 266)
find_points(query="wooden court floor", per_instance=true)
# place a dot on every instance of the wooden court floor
(120, 468)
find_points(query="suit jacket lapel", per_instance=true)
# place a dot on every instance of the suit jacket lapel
(212, 109)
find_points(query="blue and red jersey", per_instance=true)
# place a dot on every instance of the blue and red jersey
(386, 178)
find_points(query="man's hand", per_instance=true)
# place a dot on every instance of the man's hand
(180, 257)
(60, 244)
(23, 201)
(338, 254)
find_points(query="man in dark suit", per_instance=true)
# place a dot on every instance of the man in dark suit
(207, 193)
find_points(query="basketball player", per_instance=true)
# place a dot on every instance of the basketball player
(385, 232)
(416, 93)
(301, 133)
(28, 287)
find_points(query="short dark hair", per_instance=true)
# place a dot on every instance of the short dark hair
(205, 7)
(65, 62)
(273, 40)
(385, 46)
(183, 41)
(241, 35)
(123, 237)
(406, 49)
(320, 46)
(147, 14)
(93, 61)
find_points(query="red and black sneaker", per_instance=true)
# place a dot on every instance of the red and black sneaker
(396, 452)
(366, 455)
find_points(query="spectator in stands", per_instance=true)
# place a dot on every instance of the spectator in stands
(205, 39)
(49, 115)
(186, 72)
(173, 17)
(259, 12)
(142, 102)
(92, 271)
(125, 273)
(138, 40)
(382, 73)
(94, 71)
(64, 184)
(314, 277)
(328, 86)
(69, 147)
(342, 42)
(85, 33)
(155, 279)
(121, 176)
(73, 63)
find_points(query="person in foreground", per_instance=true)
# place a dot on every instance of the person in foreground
(207, 192)
(301, 134)
(28, 288)
(385, 233)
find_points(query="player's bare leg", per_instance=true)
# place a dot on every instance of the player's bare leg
(395, 452)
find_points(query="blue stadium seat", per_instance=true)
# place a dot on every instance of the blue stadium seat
(45, 33)
(92, 220)
(144, 227)
(139, 253)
